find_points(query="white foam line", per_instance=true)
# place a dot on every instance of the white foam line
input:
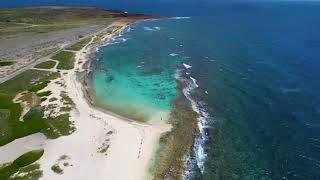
(148, 29)
(129, 29)
(187, 66)
(200, 154)
(194, 82)
(181, 18)
(173, 54)
(156, 28)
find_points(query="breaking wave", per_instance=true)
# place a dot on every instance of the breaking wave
(181, 18)
(198, 147)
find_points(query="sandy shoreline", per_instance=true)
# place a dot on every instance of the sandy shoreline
(130, 145)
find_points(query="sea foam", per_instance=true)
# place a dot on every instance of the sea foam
(194, 82)
(181, 18)
(129, 29)
(173, 54)
(198, 148)
(156, 28)
(115, 40)
(186, 66)
(147, 28)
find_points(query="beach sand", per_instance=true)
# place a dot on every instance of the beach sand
(104, 146)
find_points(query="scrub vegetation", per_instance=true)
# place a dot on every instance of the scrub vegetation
(66, 60)
(11, 127)
(43, 20)
(31, 171)
(6, 63)
(57, 169)
(23, 164)
(46, 65)
(44, 53)
(63, 161)
(79, 45)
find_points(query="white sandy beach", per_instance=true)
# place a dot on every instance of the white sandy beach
(131, 144)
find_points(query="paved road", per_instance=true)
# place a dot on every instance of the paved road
(43, 59)
(10, 76)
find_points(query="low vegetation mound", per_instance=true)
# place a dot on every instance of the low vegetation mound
(46, 65)
(24, 160)
(6, 63)
(11, 127)
(79, 45)
(66, 60)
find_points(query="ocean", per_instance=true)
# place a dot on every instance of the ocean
(252, 68)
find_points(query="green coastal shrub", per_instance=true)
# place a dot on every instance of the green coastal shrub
(6, 63)
(66, 60)
(46, 65)
(79, 45)
(11, 127)
(24, 160)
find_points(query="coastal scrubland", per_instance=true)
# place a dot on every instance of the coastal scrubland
(24, 163)
(12, 126)
(66, 59)
(25, 93)
(44, 53)
(27, 34)
(79, 45)
(6, 63)
(43, 20)
(46, 65)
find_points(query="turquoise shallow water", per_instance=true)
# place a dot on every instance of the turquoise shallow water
(132, 79)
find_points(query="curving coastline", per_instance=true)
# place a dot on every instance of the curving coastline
(176, 145)
(97, 145)
(141, 138)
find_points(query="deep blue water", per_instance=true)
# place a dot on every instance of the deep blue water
(259, 64)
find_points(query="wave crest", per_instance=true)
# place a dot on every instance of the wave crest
(198, 148)
(181, 18)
